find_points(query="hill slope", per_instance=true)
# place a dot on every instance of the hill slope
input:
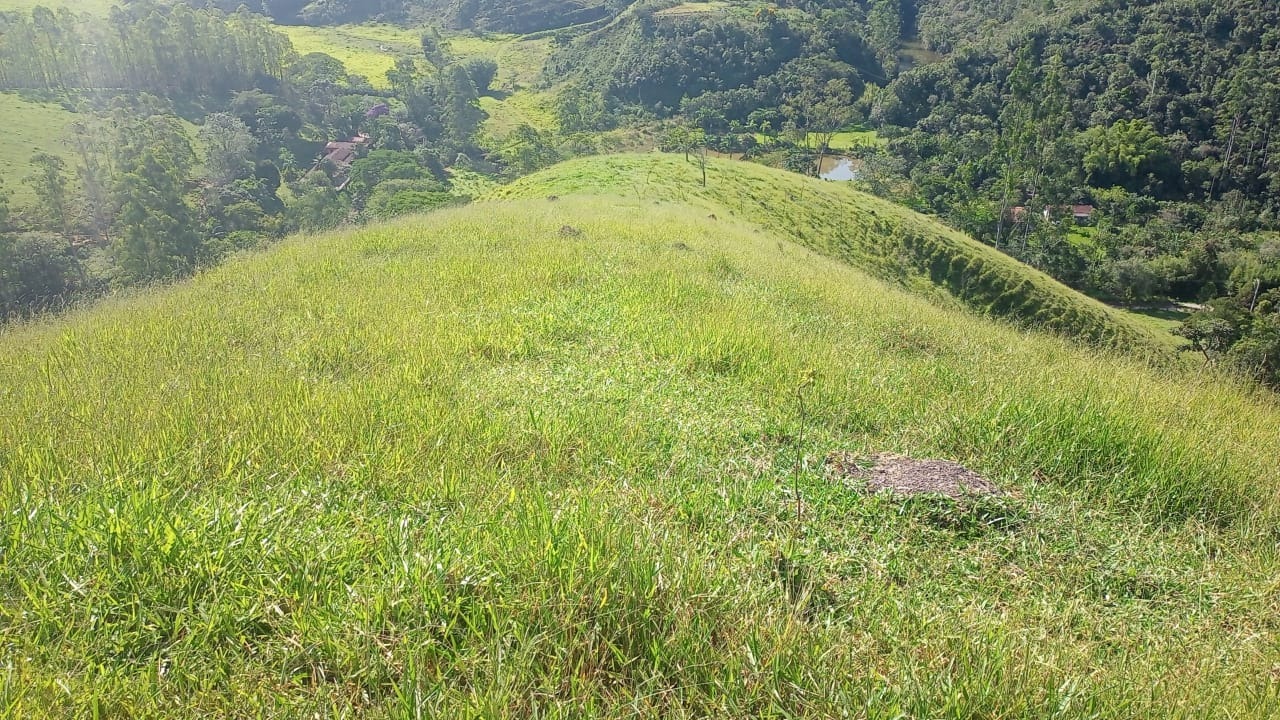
(536, 458)
(33, 127)
(881, 237)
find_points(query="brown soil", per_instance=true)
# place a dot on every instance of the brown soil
(905, 476)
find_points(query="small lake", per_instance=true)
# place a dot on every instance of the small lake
(841, 169)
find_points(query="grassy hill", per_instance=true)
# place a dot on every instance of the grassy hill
(538, 458)
(35, 127)
(31, 127)
(367, 50)
(881, 237)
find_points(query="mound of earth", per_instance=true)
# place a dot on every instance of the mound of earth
(906, 476)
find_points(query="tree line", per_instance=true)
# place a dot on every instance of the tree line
(144, 46)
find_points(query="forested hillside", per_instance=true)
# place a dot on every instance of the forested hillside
(1171, 101)
(1162, 115)
(946, 25)
(730, 65)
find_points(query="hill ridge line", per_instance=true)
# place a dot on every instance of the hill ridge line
(889, 241)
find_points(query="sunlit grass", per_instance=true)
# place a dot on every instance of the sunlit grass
(1163, 321)
(534, 459)
(29, 128)
(357, 47)
(527, 107)
(881, 237)
(515, 100)
(402, 37)
(694, 8)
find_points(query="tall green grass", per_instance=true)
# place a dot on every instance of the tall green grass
(885, 239)
(536, 459)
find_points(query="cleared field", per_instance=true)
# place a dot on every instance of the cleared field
(693, 8)
(356, 46)
(1163, 318)
(371, 50)
(398, 37)
(524, 106)
(839, 141)
(520, 61)
(520, 64)
(29, 127)
(548, 459)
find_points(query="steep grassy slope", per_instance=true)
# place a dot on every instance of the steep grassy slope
(879, 236)
(538, 459)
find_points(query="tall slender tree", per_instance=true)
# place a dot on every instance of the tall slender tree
(51, 182)
(155, 226)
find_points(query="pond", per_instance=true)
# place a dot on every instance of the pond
(839, 168)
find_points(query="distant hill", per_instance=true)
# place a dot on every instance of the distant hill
(883, 238)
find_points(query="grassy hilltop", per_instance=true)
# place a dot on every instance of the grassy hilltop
(881, 237)
(538, 459)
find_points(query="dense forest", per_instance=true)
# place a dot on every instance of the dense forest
(723, 67)
(724, 70)
(1162, 115)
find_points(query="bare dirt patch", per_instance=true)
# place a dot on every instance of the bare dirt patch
(886, 472)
